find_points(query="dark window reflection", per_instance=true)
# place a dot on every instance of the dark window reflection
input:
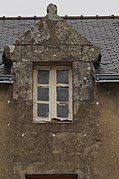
(43, 94)
(43, 77)
(43, 110)
(62, 110)
(62, 76)
(62, 94)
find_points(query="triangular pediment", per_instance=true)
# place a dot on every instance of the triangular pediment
(53, 30)
(52, 38)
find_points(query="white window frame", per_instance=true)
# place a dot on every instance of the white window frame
(52, 94)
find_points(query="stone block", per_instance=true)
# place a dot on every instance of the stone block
(22, 87)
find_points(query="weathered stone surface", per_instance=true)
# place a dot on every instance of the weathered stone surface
(37, 35)
(51, 53)
(50, 32)
(90, 53)
(22, 87)
(67, 35)
(71, 143)
(52, 12)
(82, 81)
(13, 53)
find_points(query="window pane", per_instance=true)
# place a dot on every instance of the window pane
(43, 94)
(62, 76)
(43, 110)
(43, 77)
(62, 94)
(62, 110)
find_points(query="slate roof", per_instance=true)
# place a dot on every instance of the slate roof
(100, 31)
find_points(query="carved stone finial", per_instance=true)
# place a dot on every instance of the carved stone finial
(52, 11)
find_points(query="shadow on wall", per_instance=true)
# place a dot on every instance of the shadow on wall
(107, 161)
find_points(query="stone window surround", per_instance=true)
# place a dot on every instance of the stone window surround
(82, 81)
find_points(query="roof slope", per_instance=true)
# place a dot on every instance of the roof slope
(101, 31)
(104, 33)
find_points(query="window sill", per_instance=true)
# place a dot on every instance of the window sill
(54, 120)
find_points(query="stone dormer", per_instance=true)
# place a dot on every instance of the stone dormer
(52, 40)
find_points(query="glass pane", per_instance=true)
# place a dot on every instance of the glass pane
(62, 110)
(43, 110)
(43, 77)
(62, 76)
(62, 94)
(43, 94)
